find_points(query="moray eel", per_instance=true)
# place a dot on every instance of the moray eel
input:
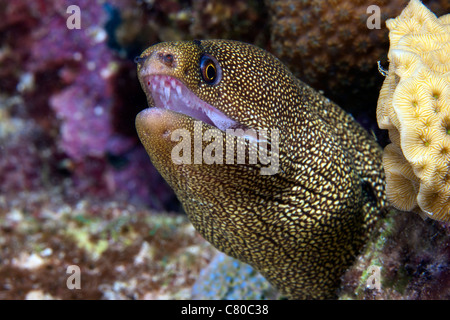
(300, 226)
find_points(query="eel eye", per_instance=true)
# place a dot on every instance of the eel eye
(210, 69)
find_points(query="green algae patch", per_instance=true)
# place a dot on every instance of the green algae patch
(83, 239)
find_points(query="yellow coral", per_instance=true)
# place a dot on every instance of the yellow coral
(414, 105)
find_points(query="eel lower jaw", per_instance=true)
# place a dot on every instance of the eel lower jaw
(171, 94)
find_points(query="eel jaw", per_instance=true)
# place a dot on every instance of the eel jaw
(169, 93)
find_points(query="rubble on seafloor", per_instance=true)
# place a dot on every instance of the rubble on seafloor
(122, 252)
(127, 252)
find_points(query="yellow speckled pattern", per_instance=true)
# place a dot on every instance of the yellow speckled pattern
(302, 227)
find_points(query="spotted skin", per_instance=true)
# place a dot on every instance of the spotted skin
(302, 227)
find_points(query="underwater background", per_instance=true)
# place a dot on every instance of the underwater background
(77, 187)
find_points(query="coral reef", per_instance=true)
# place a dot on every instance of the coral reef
(314, 38)
(234, 19)
(412, 257)
(163, 20)
(329, 45)
(414, 105)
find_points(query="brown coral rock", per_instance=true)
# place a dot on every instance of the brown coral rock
(329, 46)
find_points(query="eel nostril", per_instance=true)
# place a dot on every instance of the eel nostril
(167, 59)
(139, 60)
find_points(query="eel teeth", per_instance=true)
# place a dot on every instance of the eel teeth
(167, 93)
(172, 94)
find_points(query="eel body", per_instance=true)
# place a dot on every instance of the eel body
(301, 225)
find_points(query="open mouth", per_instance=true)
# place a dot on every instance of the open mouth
(171, 94)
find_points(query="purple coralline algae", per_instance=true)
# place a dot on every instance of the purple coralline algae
(68, 81)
